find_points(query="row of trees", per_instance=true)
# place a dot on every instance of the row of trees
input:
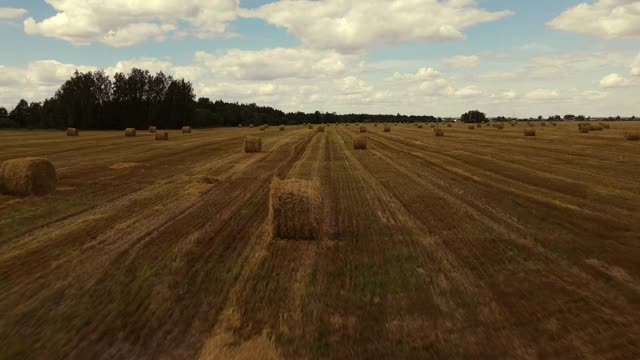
(138, 99)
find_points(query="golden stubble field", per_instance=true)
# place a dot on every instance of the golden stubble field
(483, 243)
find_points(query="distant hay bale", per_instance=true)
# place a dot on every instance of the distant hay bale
(281, 127)
(263, 127)
(320, 128)
(530, 132)
(471, 127)
(296, 209)
(513, 123)
(387, 128)
(606, 126)
(130, 132)
(27, 176)
(419, 126)
(583, 129)
(449, 125)
(553, 123)
(433, 126)
(153, 129)
(438, 132)
(595, 128)
(363, 129)
(478, 125)
(375, 125)
(162, 135)
(239, 125)
(360, 142)
(310, 126)
(252, 144)
(632, 135)
(72, 132)
(250, 125)
(543, 124)
(499, 126)
(186, 129)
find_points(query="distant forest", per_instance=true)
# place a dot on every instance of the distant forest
(139, 99)
(92, 100)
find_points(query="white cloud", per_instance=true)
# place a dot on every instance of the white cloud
(420, 75)
(606, 18)
(614, 81)
(469, 91)
(542, 94)
(269, 64)
(130, 22)
(510, 94)
(462, 61)
(635, 66)
(12, 13)
(351, 25)
(497, 76)
(593, 95)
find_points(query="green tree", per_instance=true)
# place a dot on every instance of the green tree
(473, 116)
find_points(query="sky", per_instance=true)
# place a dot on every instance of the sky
(431, 57)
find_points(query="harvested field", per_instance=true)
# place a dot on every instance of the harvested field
(478, 244)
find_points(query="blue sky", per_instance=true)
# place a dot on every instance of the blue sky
(437, 57)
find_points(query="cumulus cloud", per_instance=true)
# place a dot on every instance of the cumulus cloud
(468, 91)
(421, 75)
(593, 95)
(614, 81)
(269, 64)
(606, 18)
(497, 76)
(635, 66)
(542, 94)
(130, 22)
(352, 25)
(462, 61)
(12, 13)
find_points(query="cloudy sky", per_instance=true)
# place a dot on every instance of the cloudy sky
(440, 57)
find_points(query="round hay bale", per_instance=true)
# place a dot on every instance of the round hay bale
(595, 128)
(27, 176)
(252, 144)
(72, 132)
(530, 132)
(499, 126)
(543, 124)
(263, 127)
(153, 129)
(632, 136)
(281, 127)
(130, 132)
(420, 126)
(449, 125)
(186, 129)
(583, 129)
(320, 128)
(363, 129)
(438, 132)
(296, 209)
(478, 125)
(387, 128)
(250, 125)
(239, 125)
(360, 142)
(162, 135)
(310, 126)
(471, 127)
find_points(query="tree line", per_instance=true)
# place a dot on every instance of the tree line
(92, 100)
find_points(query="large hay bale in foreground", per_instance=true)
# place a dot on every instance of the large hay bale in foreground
(530, 132)
(387, 128)
(153, 129)
(162, 135)
(438, 132)
(72, 132)
(252, 144)
(360, 142)
(363, 129)
(296, 208)
(632, 136)
(320, 128)
(27, 176)
(130, 132)
(186, 129)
